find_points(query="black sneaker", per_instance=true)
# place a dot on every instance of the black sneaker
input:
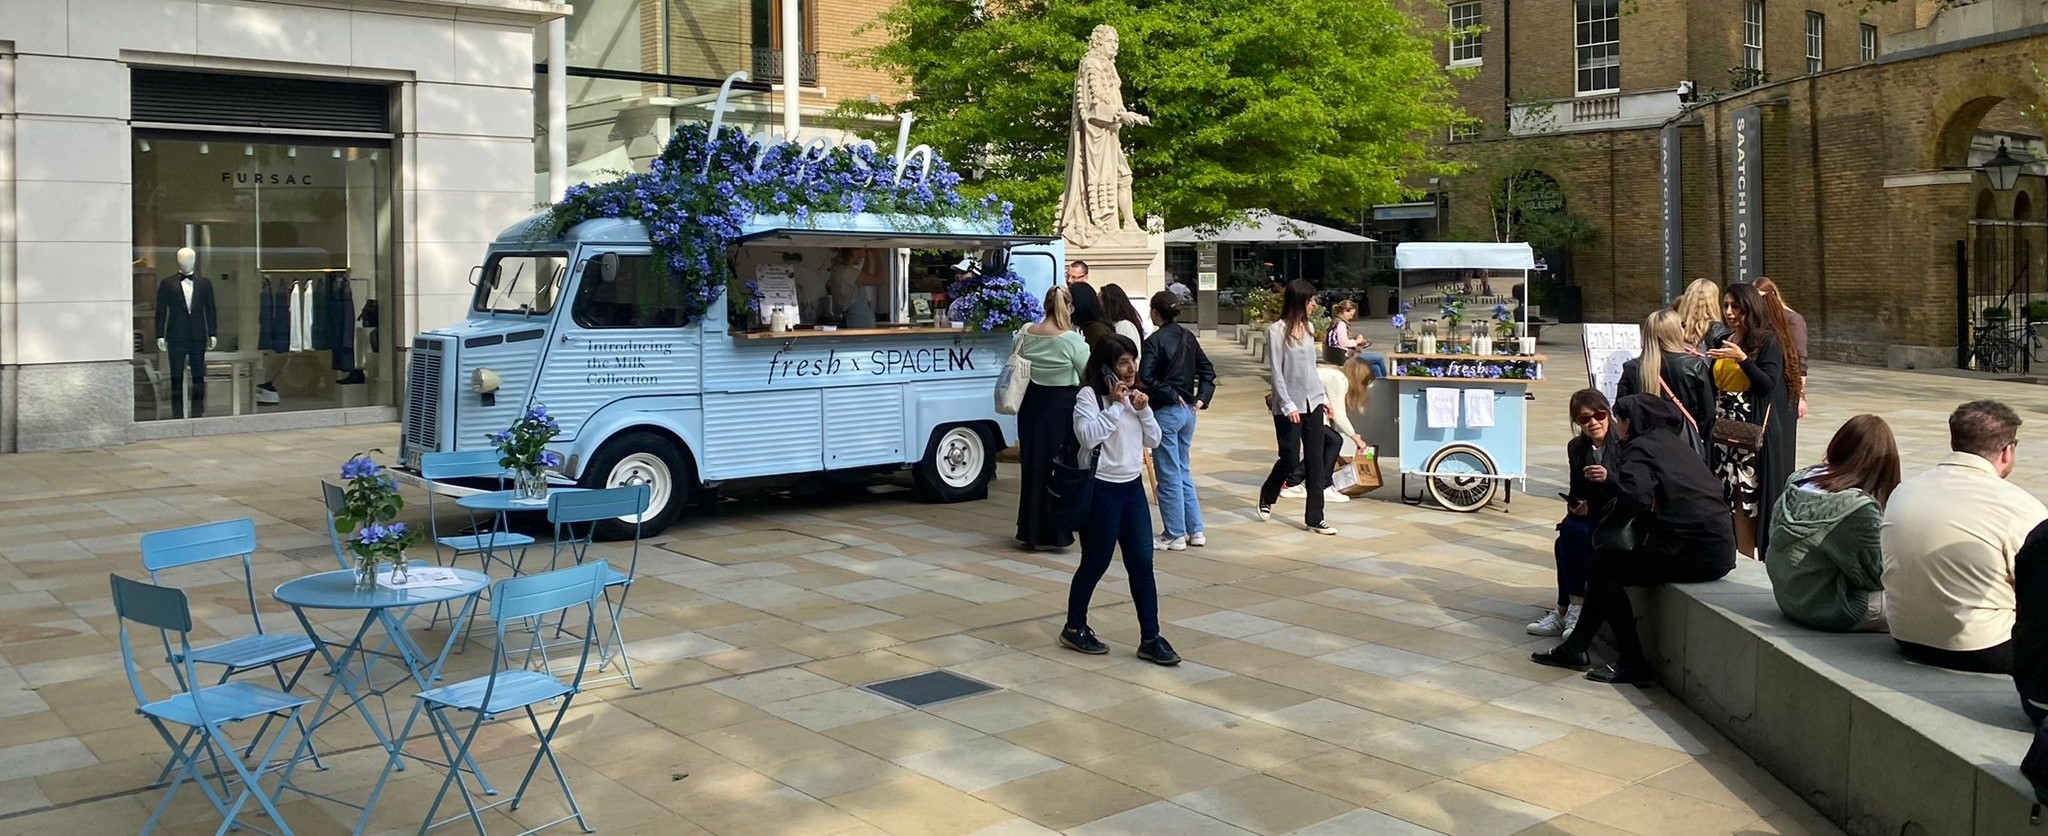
(1622, 675)
(1562, 658)
(1158, 652)
(1083, 640)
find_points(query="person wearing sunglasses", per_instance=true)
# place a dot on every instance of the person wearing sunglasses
(1588, 454)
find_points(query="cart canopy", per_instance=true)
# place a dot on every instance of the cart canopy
(1462, 255)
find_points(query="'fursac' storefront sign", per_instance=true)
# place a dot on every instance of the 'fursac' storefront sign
(1748, 214)
(1668, 178)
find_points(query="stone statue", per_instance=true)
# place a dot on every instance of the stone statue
(1097, 201)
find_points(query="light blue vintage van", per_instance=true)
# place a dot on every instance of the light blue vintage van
(587, 325)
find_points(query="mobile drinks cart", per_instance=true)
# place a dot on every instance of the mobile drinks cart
(787, 346)
(1462, 374)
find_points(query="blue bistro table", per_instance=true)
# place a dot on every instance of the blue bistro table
(502, 505)
(337, 590)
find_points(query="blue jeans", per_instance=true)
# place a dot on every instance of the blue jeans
(1119, 518)
(1180, 511)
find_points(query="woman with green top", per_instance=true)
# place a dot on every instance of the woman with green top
(1827, 570)
(1045, 419)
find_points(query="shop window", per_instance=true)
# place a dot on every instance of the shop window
(636, 295)
(1465, 34)
(1599, 45)
(1753, 35)
(292, 275)
(1816, 38)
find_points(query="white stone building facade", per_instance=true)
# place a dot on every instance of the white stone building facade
(336, 167)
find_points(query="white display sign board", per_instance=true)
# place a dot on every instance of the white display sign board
(777, 285)
(1608, 346)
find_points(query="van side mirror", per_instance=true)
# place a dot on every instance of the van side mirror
(608, 267)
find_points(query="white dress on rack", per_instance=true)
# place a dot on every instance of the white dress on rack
(302, 318)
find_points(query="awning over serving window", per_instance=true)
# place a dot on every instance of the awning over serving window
(1463, 255)
(808, 237)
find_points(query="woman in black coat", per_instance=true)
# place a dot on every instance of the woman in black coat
(1684, 528)
(1749, 371)
(1669, 367)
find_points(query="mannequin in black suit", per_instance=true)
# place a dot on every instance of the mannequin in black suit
(186, 326)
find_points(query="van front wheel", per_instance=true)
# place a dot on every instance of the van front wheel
(957, 465)
(641, 458)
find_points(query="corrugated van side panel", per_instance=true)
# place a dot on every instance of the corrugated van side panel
(864, 426)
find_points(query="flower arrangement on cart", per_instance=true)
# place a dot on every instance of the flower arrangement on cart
(523, 450)
(697, 197)
(368, 524)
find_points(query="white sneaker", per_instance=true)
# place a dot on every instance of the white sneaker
(1334, 495)
(1198, 540)
(1551, 624)
(1294, 492)
(1170, 544)
(266, 396)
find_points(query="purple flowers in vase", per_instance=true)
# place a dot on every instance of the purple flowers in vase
(522, 449)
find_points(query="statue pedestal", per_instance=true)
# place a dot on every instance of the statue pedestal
(1132, 260)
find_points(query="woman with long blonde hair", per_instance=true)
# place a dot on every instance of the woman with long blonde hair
(1699, 314)
(1671, 368)
(1057, 354)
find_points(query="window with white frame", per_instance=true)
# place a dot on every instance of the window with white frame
(1465, 40)
(1867, 46)
(1598, 41)
(1461, 131)
(1753, 35)
(1816, 36)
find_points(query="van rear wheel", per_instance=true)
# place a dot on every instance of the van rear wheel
(957, 465)
(641, 458)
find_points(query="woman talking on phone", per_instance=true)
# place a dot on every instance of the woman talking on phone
(1113, 419)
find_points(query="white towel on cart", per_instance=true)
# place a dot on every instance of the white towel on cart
(1443, 407)
(1478, 408)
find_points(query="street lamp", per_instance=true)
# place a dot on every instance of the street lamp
(2002, 169)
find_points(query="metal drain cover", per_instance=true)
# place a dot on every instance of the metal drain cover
(314, 553)
(927, 689)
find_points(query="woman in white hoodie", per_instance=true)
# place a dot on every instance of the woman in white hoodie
(1113, 423)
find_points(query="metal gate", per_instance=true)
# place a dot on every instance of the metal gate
(2005, 272)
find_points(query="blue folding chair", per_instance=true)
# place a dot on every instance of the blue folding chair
(570, 509)
(509, 688)
(202, 710)
(470, 464)
(192, 545)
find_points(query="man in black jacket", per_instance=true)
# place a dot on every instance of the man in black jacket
(1180, 381)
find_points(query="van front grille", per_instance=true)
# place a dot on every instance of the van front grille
(423, 397)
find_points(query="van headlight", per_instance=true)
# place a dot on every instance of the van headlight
(485, 382)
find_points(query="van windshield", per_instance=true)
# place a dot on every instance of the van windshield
(521, 283)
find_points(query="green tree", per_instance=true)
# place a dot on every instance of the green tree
(1289, 105)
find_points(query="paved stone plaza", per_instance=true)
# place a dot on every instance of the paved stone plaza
(1372, 683)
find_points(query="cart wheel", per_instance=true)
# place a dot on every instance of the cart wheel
(1457, 492)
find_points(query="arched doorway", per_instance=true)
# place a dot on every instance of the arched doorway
(2003, 275)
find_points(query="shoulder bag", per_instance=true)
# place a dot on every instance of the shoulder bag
(1071, 484)
(1742, 435)
(1013, 380)
(1618, 533)
(1692, 427)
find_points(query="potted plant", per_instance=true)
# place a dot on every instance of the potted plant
(522, 449)
(370, 503)
(1996, 313)
(2037, 310)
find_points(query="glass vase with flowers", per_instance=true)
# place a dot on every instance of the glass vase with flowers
(522, 449)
